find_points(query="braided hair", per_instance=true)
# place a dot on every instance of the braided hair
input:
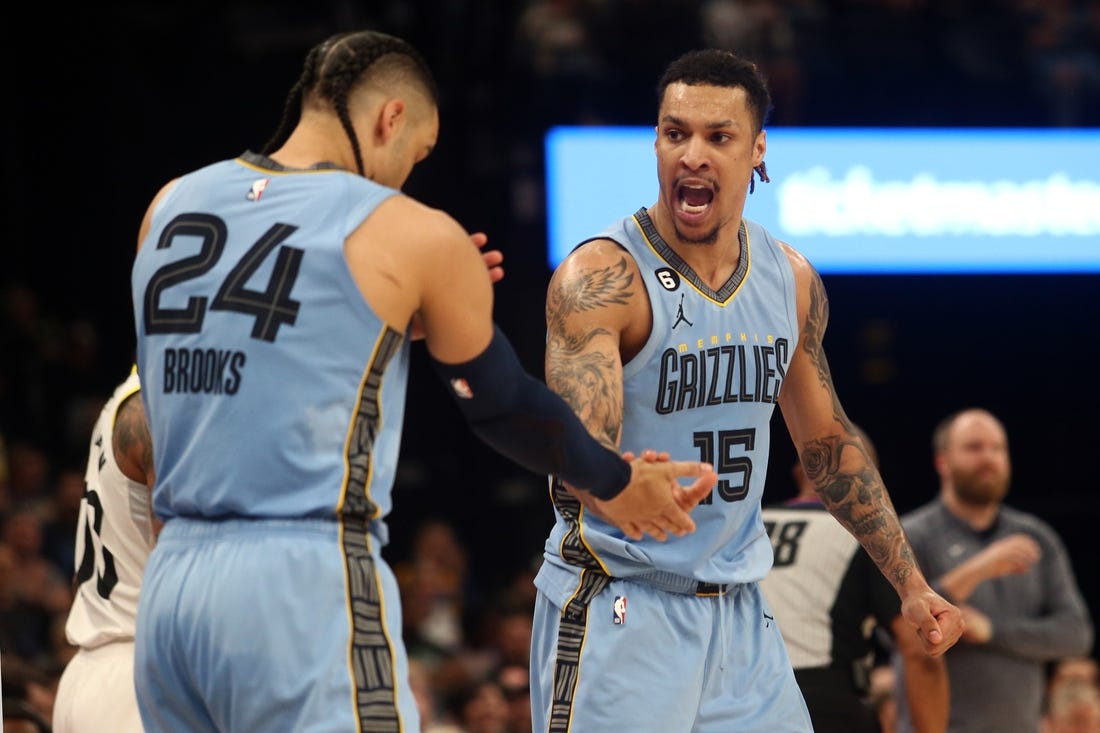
(335, 66)
(720, 68)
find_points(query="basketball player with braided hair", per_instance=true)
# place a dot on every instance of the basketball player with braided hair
(275, 296)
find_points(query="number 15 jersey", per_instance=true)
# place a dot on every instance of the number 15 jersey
(704, 386)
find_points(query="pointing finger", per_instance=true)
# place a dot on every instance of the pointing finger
(690, 468)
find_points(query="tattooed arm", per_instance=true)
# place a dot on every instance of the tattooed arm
(588, 307)
(597, 311)
(133, 446)
(844, 476)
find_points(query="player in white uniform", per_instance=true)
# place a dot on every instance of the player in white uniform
(115, 534)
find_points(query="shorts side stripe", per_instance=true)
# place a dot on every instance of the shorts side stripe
(571, 632)
(370, 653)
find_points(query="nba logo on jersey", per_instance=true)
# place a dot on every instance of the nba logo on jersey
(462, 388)
(618, 616)
(257, 189)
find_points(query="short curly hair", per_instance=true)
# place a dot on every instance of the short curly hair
(720, 68)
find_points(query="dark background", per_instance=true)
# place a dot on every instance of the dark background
(103, 105)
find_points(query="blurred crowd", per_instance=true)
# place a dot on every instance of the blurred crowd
(537, 63)
(908, 62)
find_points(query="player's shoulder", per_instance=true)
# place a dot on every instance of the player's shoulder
(409, 223)
(131, 404)
(804, 271)
(597, 248)
(165, 189)
(158, 198)
(595, 255)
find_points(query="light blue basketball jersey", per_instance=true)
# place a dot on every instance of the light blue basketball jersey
(704, 386)
(275, 398)
(272, 388)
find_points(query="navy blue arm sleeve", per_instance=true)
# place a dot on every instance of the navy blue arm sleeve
(521, 418)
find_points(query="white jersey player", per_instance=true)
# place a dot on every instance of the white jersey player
(115, 534)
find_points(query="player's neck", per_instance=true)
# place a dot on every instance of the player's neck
(714, 261)
(311, 144)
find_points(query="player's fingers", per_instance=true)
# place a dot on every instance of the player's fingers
(677, 520)
(952, 623)
(687, 469)
(479, 238)
(687, 497)
(648, 455)
(656, 531)
(631, 530)
(930, 630)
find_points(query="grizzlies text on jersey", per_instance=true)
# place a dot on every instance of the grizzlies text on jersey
(706, 381)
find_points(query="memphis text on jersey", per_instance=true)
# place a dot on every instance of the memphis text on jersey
(711, 371)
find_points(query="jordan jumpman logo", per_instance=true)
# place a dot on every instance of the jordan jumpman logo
(680, 314)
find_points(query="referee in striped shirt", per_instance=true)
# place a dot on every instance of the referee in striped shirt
(828, 596)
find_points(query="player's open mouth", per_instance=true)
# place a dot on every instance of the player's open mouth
(694, 198)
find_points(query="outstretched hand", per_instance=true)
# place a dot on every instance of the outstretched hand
(939, 624)
(654, 502)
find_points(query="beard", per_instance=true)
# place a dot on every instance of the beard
(981, 487)
(710, 237)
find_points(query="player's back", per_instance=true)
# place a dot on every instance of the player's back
(114, 538)
(272, 388)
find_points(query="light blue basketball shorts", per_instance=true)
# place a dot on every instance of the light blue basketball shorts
(270, 627)
(651, 655)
